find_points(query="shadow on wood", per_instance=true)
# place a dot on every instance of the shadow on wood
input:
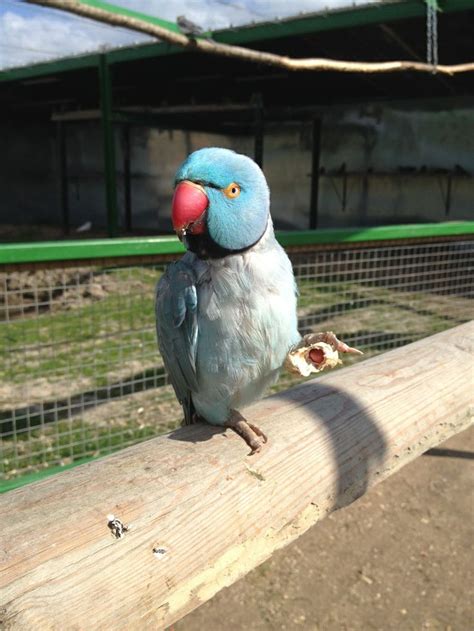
(327, 404)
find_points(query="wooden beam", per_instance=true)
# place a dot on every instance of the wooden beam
(392, 34)
(201, 512)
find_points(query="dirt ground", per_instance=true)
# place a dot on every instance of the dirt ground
(399, 558)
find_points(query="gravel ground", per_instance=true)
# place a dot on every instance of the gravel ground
(398, 559)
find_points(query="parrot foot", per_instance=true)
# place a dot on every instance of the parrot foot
(330, 338)
(197, 418)
(253, 435)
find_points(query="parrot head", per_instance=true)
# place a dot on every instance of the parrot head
(221, 203)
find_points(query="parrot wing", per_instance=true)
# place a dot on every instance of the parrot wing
(177, 330)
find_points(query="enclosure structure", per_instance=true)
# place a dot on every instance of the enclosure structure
(338, 150)
(81, 375)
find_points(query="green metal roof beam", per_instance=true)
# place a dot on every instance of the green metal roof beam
(302, 25)
(148, 246)
(333, 20)
(145, 17)
(47, 68)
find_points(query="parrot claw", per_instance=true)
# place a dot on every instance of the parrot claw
(330, 338)
(196, 418)
(253, 435)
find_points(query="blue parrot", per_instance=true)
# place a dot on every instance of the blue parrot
(226, 312)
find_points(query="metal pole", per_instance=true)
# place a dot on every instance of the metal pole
(63, 180)
(109, 146)
(259, 131)
(447, 208)
(127, 191)
(313, 205)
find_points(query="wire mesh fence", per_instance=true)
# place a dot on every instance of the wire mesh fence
(80, 370)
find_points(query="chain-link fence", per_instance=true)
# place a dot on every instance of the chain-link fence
(81, 374)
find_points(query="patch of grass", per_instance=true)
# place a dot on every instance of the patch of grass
(70, 440)
(320, 295)
(85, 341)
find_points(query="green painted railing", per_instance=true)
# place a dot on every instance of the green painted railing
(36, 476)
(50, 251)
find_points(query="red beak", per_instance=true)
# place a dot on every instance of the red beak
(190, 203)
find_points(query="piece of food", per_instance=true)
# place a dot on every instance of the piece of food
(315, 352)
(311, 359)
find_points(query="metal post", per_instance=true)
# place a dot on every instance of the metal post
(63, 180)
(313, 205)
(127, 191)
(447, 207)
(109, 146)
(259, 131)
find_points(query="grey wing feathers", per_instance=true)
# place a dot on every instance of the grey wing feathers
(177, 330)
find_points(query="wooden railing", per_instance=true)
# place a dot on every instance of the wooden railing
(201, 513)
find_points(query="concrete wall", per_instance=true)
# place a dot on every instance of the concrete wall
(28, 186)
(287, 165)
(156, 156)
(86, 175)
(400, 147)
(374, 143)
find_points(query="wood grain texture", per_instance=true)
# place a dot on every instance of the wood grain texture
(214, 512)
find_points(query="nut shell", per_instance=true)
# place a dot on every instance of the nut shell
(298, 360)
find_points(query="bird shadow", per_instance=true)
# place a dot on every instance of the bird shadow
(199, 432)
(358, 446)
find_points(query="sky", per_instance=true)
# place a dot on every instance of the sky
(31, 34)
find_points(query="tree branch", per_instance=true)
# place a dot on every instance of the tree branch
(247, 54)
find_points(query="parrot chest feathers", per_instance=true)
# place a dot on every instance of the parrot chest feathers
(247, 315)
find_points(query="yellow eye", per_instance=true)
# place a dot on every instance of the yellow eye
(232, 191)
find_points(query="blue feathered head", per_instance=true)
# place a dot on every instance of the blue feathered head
(221, 203)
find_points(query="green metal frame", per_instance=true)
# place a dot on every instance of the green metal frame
(108, 146)
(301, 25)
(36, 476)
(118, 10)
(50, 251)
(338, 19)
